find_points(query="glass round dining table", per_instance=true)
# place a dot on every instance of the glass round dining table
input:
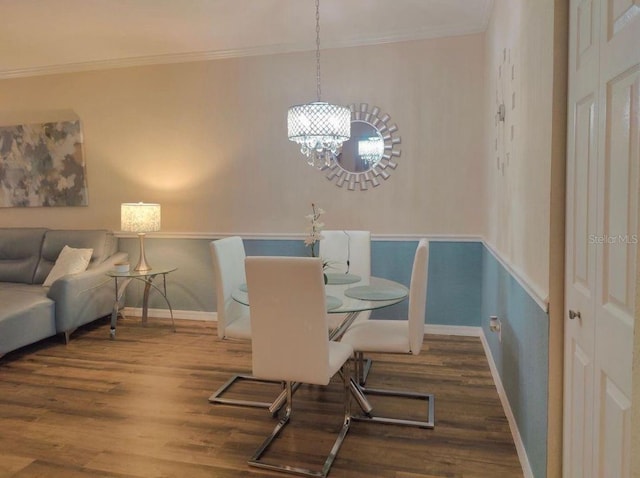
(347, 294)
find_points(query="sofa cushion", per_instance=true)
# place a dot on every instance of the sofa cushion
(19, 253)
(70, 261)
(26, 316)
(102, 242)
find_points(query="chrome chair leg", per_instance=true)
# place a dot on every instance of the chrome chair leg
(255, 460)
(217, 397)
(281, 399)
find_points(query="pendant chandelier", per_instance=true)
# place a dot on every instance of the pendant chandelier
(318, 127)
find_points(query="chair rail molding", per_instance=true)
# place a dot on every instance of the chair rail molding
(541, 298)
(294, 236)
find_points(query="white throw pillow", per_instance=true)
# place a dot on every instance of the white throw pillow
(70, 261)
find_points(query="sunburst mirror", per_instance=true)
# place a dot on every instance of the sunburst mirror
(368, 157)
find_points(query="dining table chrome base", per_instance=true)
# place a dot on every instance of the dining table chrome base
(363, 367)
(217, 397)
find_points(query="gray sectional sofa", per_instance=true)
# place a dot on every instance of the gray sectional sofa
(30, 312)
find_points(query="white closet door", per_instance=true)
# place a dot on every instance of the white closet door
(602, 210)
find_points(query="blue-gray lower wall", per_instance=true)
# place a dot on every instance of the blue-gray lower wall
(522, 357)
(455, 270)
(466, 285)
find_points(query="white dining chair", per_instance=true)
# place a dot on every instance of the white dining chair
(397, 336)
(290, 340)
(234, 322)
(348, 252)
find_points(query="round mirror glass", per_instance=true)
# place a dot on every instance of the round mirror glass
(370, 154)
(363, 150)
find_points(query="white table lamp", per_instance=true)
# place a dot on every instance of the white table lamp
(140, 218)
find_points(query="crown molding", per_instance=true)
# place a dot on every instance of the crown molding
(187, 57)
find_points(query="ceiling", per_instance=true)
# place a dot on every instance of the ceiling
(54, 36)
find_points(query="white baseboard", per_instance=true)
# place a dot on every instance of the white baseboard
(177, 314)
(517, 439)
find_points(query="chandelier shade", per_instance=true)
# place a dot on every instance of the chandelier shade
(318, 127)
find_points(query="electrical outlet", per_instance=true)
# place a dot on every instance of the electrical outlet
(495, 325)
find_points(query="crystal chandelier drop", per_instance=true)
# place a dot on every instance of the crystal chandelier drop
(318, 127)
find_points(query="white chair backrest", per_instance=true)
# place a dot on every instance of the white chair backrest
(338, 247)
(288, 319)
(418, 296)
(228, 271)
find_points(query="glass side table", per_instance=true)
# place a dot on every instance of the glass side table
(123, 279)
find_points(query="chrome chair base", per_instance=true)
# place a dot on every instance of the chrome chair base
(360, 393)
(255, 460)
(217, 397)
(370, 417)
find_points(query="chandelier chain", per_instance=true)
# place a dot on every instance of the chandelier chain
(318, 127)
(318, 88)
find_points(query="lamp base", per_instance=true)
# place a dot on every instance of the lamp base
(142, 265)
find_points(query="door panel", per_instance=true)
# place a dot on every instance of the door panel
(581, 380)
(620, 14)
(583, 257)
(620, 183)
(615, 431)
(585, 33)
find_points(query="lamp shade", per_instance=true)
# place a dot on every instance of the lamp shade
(140, 217)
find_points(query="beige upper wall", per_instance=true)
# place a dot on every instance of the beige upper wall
(518, 197)
(208, 141)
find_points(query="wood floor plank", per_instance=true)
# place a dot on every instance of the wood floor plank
(137, 407)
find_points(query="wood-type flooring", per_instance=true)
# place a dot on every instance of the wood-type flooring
(137, 407)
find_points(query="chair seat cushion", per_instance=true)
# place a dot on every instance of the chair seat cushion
(388, 336)
(239, 328)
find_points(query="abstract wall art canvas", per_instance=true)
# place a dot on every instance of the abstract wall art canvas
(42, 165)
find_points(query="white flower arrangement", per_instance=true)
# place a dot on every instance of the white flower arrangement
(314, 230)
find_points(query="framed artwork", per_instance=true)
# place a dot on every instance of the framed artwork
(42, 165)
